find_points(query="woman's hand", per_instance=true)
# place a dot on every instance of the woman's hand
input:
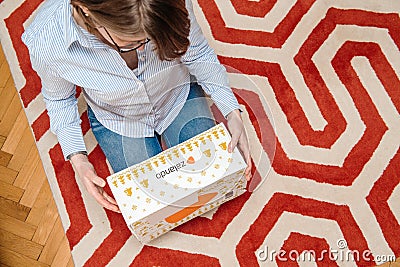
(239, 138)
(93, 183)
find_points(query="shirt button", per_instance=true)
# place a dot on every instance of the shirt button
(142, 58)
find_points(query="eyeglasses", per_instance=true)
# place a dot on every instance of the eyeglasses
(125, 50)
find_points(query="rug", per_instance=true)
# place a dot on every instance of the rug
(318, 81)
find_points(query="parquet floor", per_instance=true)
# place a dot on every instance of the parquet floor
(31, 233)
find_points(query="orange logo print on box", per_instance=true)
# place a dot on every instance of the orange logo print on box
(183, 213)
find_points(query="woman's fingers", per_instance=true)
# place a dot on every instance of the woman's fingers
(248, 170)
(112, 201)
(239, 138)
(109, 198)
(233, 143)
(101, 196)
(93, 183)
(92, 176)
(244, 148)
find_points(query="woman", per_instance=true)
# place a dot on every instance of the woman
(134, 60)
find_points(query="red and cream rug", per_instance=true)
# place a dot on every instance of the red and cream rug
(319, 83)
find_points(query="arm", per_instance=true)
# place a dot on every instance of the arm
(61, 104)
(203, 63)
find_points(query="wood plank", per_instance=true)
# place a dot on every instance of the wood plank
(39, 207)
(5, 73)
(33, 188)
(7, 175)
(16, 133)
(70, 262)
(27, 169)
(46, 224)
(53, 243)
(20, 245)
(63, 254)
(2, 140)
(10, 192)
(6, 97)
(2, 56)
(14, 209)
(10, 116)
(5, 158)
(16, 227)
(22, 150)
(11, 258)
(4, 69)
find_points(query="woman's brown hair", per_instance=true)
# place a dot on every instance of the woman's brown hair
(166, 22)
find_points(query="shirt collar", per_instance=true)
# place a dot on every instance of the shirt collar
(75, 33)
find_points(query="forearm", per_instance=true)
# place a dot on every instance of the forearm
(65, 123)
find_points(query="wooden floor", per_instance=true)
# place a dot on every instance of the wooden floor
(31, 233)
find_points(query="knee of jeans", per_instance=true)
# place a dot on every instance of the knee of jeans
(117, 165)
(195, 127)
(136, 150)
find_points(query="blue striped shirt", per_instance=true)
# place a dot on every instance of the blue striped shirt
(133, 103)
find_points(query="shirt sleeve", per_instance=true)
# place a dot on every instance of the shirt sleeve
(203, 63)
(62, 108)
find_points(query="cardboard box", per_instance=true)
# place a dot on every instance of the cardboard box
(179, 184)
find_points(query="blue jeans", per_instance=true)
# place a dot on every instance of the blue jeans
(121, 151)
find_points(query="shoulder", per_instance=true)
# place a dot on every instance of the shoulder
(46, 27)
(189, 7)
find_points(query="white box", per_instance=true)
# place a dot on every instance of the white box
(179, 184)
